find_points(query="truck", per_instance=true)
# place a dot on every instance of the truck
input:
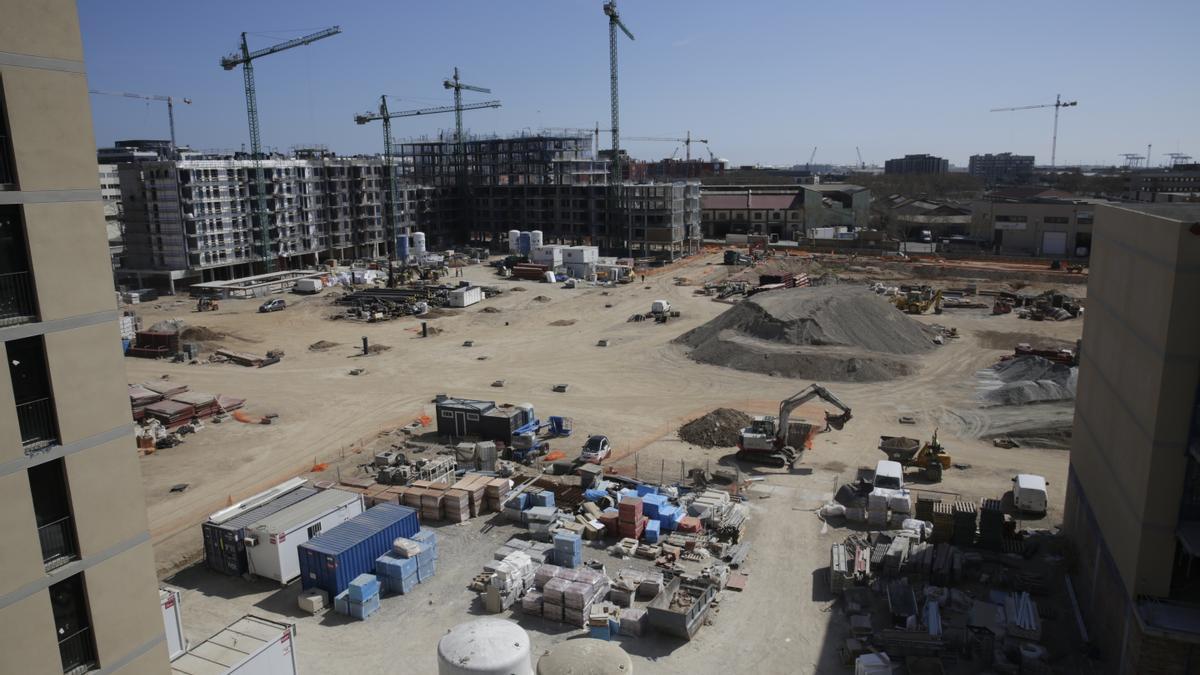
(312, 285)
(931, 458)
(775, 441)
(251, 645)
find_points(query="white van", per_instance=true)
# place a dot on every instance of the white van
(1029, 493)
(889, 475)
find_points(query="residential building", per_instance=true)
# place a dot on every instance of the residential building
(916, 164)
(1178, 183)
(908, 218)
(1002, 169)
(110, 195)
(192, 219)
(79, 591)
(1036, 222)
(1132, 511)
(134, 151)
(785, 211)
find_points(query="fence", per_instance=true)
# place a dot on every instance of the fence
(58, 543)
(36, 420)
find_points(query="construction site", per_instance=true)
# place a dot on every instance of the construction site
(647, 447)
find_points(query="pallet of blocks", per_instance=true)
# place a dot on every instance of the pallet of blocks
(943, 523)
(494, 492)
(991, 524)
(475, 485)
(568, 594)
(432, 500)
(456, 505)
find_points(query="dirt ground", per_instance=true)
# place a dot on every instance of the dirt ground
(638, 391)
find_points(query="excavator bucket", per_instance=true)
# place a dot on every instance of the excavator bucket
(837, 421)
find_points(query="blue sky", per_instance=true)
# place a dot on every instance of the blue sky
(763, 81)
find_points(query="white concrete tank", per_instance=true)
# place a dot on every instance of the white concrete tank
(486, 646)
(535, 239)
(514, 241)
(585, 656)
(418, 243)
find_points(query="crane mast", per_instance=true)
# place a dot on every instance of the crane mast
(1057, 105)
(245, 58)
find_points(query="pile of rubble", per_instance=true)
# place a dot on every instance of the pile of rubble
(717, 429)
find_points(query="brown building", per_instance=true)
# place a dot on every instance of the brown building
(1037, 222)
(1133, 494)
(78, 590)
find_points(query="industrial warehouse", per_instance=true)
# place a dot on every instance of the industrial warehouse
(354, 354)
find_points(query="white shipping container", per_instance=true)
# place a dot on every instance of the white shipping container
(172, 622)
(249, 646)
(581, 254)
(465, 296)
(581, 270)
(547, 255)
(308, 286)
(273, 553)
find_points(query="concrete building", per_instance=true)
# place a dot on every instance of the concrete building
(1035, 222)
(114, 227)
(916, 164)
(786, 211)
(1002, 169)
(192, 219)
(1178, 183)
(134, 151)
(906, 218)
(1132, 508)
(78, 592)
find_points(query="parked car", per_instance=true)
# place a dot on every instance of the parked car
(272, 305)
(596, 449)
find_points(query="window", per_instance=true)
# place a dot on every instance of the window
(472, 417)
(1083, 218)
(1056, 220)
(314, 530)
(448, 414)
(31, 392)
(17, 304)
(1012, 219)
(52, 510)
(76, 646)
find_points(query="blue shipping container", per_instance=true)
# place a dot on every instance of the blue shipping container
(331, 559)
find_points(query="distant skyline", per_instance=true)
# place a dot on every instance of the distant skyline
(764, 82)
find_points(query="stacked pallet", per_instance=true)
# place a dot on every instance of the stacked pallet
(568, 594)
(204, 405)
(172, 414)
(991, 524)
(139, 398)
(456, 505)
(494, 492)
(475, 485)
(943, 523)
(925, 508)
(432, 496)
(966, 515)
(630, 521)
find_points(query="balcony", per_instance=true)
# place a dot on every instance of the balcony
(78, 652)
(37, 422)
(17, 303)
(58, 543)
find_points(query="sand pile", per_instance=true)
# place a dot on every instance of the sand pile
(200, 334)
(1029, 379)
(322, 345)
(717, 429)
(842, 333)
(490, 310)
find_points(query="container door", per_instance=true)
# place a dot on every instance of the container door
(460, 423)
(1054, 243)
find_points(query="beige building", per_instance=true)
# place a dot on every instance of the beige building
(1035, 222)
(1133, 494)
(78, 589)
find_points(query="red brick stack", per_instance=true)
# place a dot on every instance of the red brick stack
(630, 521)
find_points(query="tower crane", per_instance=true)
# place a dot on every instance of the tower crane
(386, 116)
(614, 22)
(1057, 105)
(811, 157)
(458, 87)
(686, 141)
(245, 58)
(1178, 158)
(861, 163)
(170, 101)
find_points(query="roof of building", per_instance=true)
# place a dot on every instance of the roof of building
(305, 511)
(1182, 212)
(480, 406)
(1019, 193)
(750, 200)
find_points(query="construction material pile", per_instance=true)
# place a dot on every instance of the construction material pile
(841, 333)
(717, 429)
(1029, 379)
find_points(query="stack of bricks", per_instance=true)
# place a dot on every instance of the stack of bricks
(991, 524)
(432, 497)
(456, 505)
(494, 492)
(630, 521)
(475, 485)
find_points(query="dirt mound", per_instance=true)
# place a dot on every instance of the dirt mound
(518, 289)
(541, 298)
(490, 310)
(844, 333)
(1029, 379)
(563, 322)
(377, 349)
(168, 326)
(321, 345)
(717, 429)
(200, 334)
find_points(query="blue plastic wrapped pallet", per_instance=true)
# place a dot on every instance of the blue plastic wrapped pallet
(425, 571)
(595, 494)
(331, 559)
(403, 585)
(652, 504)
(341, 602)
(643, 490)
(600, 632)
(543, 498)
(362, 587)
(653, 529)
(425, 535)
(364, 609)
(390, 565)
(668, 517)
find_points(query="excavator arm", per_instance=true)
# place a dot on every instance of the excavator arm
(814, 390)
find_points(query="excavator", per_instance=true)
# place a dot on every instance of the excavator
(771, 440)
(918, 301)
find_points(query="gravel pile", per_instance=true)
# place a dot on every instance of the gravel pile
(1029, 379)
(200, 334)
(840, 333)
(717, 429)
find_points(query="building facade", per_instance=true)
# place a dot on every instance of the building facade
(908, 218)
(1035, 222)
(1002, 169)
(78, 591)
(784, 211)
(114, 227)
(193, 219)
(916, 164)
(1178, 183)
(1132, 508)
